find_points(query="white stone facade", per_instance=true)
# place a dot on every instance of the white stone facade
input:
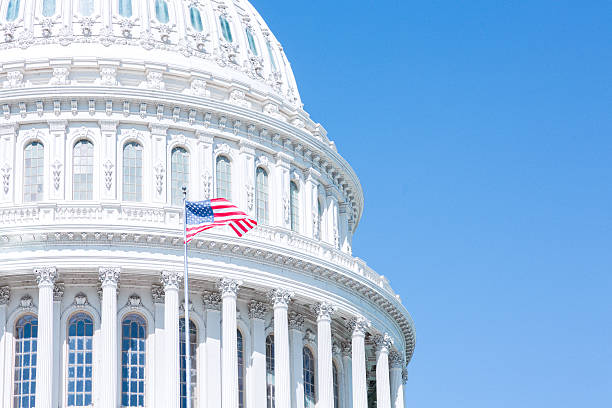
(108, 80)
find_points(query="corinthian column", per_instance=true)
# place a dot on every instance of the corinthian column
(325, 375)
(109, 277)
(397, 384)
(296, 338)
(257, 313)
(383, 390)
(45, 277)
(280, 298)
(359, 327)
(348, 384)
(171, 281)
(229, 348)
(5, 296)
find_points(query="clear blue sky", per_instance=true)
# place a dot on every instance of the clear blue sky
(485, 127)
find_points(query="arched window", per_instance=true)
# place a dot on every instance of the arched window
(180, 173)
(132, 172)
(270, 370)
(125, 8)
(271, 55)
(26, 333)
(48, 8)
(80, 360)
(225, 29)
(309, 378)
(224, 178)
(336, 386)
(82, 170)
(240, 342)
(133, 355)
(12, 11)
(262, 195)
(161, 11)
(319, 218)
(193, 346)
(196, 19)
(86, 7)
(251, 41)
(294, 206)
(33, 172)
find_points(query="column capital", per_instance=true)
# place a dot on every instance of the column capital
(5, 295)
(211, 300)
(359, 326)
(280, 297)
(257, 310)
(171, 279)
(347, 349)
(296, 321)
(383, 342)
(58, 292)
(404, 375)
(157, 292)
(396, 360)
(45, 276)
(324, 310)
(109, 275)
(229, 287)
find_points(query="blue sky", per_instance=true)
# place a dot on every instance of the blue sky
(485, 127)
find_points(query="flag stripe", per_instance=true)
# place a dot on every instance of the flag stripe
(204, 215)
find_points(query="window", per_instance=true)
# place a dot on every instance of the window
(336, 386)
(82, 170)
(262, 195)
(26, 333)
(86, 7)
(309, 378)
(180, 174)
(225, 29)
(132, 172)
(33, 172)
(161, 11)
(270, 370)
(240, 369)
(80, 338)
(193, 346)
(224, 178)
(294, 206)
(319, 218)
(133, 354)
(125, 8)
(271, 55)
(196, 19)
(48, 8)
(251, 41)
(12, 11)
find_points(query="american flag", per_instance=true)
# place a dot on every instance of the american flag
(207, 214)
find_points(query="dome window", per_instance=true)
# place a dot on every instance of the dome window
(225, 29)
(179, 174)
(161, 11)
(251, 41)
(12, 11)
(125, 8)
(86, 7)
(271, 54)
(196, 19)
(48, 8)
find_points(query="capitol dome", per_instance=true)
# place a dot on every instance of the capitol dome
(108, 109)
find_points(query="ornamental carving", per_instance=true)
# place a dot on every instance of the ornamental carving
(296, 321)
(228, 287)
(383, 342)
(134, 301)
(108, 76)
(45, 276)
(86, 25)
(359, 326)
(238, 97)
(250, 191)
(324, 310)
(26, 302)
(211, 300)
(396, 360)
(280, 297)
(206, 185)
(286, 208)
(60, 76)
(171, 279)
(200, 39)
(5, 295)
(6, 177)
(198, 88)
(57, 174)
(155, 80)
(257, 310)
(108, 174)
(160, 172)
(58, 292)
(109, 275)
(14, 79)
(158, 293)
(310, 338)
(347, 348)
(271, 109)
(80, 300)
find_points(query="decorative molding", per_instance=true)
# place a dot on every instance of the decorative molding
(60, 76)
(108, 174)
(238, 97)
(26, 302)
(257, 310)
(155, 80)
(280, 297)
(134, 301)
(80, 300)
(6, 177)
(160, 172)
(57, 173)
(228, 287)
(171, 279)
(45, 276)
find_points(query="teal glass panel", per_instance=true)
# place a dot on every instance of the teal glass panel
(251, 41)
(225, 29)
(271, 54)
(12, 11)
(161, 11)
(86, 7)
(196, 19)
(48, 8)
(125, 8)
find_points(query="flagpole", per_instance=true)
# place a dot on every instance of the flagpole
(187, 325)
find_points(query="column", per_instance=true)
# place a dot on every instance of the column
(280, 299)
(45, 277)
(229, 348)
(396, 362)
(5, 296)
(359, 326)
(58, 295)
(383, 390)
(109, 277)
(157, 293)
(257, 390)
(171, 281)
(212, 303)
(296, 339)
(325, 377)
(348, 383)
